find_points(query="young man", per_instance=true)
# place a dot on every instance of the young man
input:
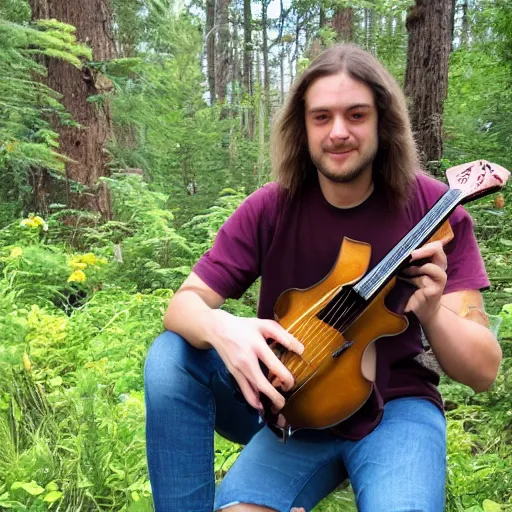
(345, 166)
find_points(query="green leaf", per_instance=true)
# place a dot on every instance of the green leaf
(31, 487)
(52, 486)
(56, 381)
(53, 496)
(491, 506)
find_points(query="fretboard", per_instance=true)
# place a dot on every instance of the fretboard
(372, 283)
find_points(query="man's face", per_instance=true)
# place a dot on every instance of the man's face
(341, 126)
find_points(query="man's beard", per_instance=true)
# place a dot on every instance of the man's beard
(346, 176)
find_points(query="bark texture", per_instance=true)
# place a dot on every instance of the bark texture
(248, 59)
(429, 24)
(343, 24)
(266, 70)
(464, 36)
(222, 67)
(210, 47)
(85, 145)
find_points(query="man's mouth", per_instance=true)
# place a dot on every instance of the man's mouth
(339, 151)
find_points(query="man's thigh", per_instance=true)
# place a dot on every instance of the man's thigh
(401, 465)
(278, 476)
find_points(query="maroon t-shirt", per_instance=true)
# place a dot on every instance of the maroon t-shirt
(294, 243)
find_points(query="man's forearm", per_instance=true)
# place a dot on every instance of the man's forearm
(466, 350)
(189, 316)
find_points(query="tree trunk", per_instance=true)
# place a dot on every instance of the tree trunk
(426, 76)
(282, 51)
(368, 28)
(452, 31)
(261, 127)
(266, 71)
(85, 146)
(211, 35)
(464, 36)
(343, 24)
(248, 80)
(222, 67)
(236, 68)
(291, 66)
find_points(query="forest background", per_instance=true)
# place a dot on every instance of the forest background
(129, 131)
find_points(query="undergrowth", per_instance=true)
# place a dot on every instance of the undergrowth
(81, 302)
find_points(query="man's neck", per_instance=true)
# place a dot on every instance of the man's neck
(346, 195)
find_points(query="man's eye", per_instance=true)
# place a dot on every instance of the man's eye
(321, 117)
(357, 116)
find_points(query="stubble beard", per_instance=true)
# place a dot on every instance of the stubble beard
(346, 176)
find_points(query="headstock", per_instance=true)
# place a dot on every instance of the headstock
(477, 179)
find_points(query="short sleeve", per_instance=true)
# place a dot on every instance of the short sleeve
(235, 259)
(466, 269)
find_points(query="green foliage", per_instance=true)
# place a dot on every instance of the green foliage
(164, 127)
(480, 437)
(27, 140)
(204, 227)
(153, 254)
(476, 124)
(71, 405)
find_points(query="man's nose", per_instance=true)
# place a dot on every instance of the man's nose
(339, 129)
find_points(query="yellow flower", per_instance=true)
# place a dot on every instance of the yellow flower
(16, 252)
(34, 221)
(26, 362)
(77, 264)
(28, 222)
(10, 147)
(77, 276)
(89, 259)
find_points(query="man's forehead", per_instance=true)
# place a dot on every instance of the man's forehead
(339, 90)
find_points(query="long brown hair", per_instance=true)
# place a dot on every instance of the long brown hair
(396, 161)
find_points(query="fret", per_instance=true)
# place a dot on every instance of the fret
(373, 282)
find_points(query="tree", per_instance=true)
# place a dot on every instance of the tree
(222, 50)
(343, 24)
(264, 48)
(429, 24)
(248, 78)
(84, 145)
(210, 30)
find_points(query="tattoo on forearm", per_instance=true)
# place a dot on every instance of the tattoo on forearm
(472, 309)
(475, 314)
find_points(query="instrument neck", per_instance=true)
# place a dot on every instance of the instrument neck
(383, 272)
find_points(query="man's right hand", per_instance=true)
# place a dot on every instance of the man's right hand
(242, 344)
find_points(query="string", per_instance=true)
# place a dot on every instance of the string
(367, 286)
(323, 326)
(333, 331)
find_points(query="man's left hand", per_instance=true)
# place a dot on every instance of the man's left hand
(430, 279)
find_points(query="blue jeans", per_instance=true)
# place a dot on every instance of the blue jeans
(400, 466)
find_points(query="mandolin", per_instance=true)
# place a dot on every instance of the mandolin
(338, 319)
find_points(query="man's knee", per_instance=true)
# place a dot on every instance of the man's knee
(166, 366)
(161, 355)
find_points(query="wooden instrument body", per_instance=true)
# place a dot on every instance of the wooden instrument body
(328, 389)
